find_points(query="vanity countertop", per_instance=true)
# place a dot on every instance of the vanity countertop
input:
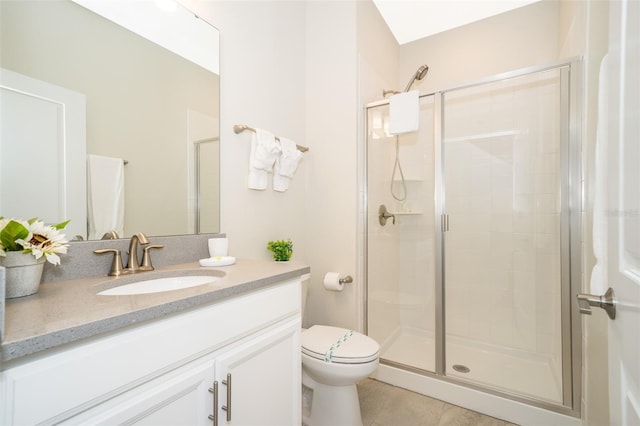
(67, 311)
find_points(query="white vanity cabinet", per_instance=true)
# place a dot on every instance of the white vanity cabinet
(163, 372)
(250, 403)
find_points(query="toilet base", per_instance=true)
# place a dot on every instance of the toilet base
(331, 405)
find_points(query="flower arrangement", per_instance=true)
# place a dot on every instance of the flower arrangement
(281, 249)
(34, 237)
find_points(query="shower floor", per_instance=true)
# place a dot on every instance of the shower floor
(511, 371)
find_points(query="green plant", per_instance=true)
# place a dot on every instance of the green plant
(34, 237)
(281, 249)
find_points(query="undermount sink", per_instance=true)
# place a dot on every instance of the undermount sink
(157, 285)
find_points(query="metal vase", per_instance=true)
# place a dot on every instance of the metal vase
(23, 273)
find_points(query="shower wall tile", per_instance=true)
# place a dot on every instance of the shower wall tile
(480, 205)
(547, 223)
(502, 222)
(523, 241)
(523, 223)
(502, 204)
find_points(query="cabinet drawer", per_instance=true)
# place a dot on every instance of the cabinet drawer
(73, 379)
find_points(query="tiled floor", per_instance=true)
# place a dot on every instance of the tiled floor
(386, 405)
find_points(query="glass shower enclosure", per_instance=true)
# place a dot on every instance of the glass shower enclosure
(472, 241)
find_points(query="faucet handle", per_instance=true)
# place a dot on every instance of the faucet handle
(116, 265)
(146, 257)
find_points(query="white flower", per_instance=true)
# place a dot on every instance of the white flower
(43, 240)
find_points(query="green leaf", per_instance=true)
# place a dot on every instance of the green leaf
(61, 225)
(10, 233)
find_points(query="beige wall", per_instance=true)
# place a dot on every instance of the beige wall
(516, 39)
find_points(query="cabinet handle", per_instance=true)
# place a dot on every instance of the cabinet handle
(227, 407)
(214, 391)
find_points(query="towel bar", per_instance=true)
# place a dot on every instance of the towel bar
(239, 128)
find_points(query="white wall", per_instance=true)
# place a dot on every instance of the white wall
(263, 83)
(332, 129)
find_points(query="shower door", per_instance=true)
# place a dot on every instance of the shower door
(401, 250)
(504, 167)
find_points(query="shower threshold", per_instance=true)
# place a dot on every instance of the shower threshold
(507, 370)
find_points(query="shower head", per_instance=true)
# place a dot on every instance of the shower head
(419, 75)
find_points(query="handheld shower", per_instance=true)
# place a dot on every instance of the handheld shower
(419, 75)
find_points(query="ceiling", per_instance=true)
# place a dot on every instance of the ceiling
(411, 20)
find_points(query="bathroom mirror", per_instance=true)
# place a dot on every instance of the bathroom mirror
(156, 110)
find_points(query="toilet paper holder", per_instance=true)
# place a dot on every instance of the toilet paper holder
(346, 280)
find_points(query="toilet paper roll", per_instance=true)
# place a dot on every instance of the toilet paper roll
(332, 281)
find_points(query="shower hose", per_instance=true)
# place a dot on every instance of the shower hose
(397, 166)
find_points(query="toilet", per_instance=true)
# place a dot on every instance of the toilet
(334, 359)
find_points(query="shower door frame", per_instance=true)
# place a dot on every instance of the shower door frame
(571, 158)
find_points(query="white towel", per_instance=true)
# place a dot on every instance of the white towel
(105, 187)
(264, 151)
(599, 273)
(285, 165)
(404, 112)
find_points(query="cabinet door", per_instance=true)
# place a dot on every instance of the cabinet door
(261, 379)
(180, 397)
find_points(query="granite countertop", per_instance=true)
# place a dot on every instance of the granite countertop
(68, 311)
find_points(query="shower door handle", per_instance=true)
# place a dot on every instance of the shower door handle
(444, 222)
(606, 302)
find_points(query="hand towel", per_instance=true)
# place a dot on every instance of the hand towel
(105, 200)
(404, 112)
(264, 151)
(598, 283)
(286, 165)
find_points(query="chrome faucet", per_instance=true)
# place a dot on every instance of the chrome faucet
(133, 265)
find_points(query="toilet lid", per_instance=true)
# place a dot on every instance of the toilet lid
(339, 345)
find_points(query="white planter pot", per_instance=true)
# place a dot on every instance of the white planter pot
(23, 273)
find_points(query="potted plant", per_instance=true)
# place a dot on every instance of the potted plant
(281, 250)
(24, 247)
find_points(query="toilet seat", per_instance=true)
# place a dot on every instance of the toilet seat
(338, 345)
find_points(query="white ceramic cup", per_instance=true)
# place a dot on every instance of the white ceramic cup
(218, 247)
